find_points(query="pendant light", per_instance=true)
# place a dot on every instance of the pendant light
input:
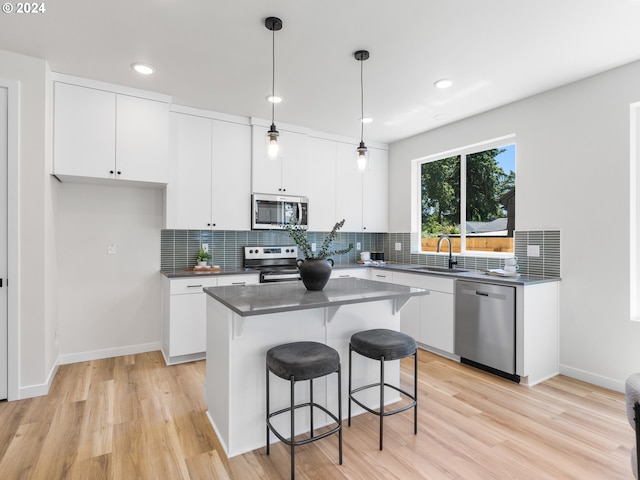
(273, 148)
(362, 154)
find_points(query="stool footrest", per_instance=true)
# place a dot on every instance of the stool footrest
(386, 413)
(313, 437)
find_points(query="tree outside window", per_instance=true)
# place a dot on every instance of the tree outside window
(471, 198)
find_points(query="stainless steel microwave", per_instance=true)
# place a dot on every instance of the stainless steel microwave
(271, 211)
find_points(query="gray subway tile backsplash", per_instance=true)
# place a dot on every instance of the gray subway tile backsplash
(179, 249)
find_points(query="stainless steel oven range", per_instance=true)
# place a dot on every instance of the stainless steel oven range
(276, 263)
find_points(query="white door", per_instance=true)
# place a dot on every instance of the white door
(3, 241)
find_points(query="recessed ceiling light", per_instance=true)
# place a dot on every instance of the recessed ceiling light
(143, 68)
(273, 98)
(366, 119)
(443, 83)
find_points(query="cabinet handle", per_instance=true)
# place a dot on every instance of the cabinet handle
(344, 276)
(119, 172)
(211, 224)
(238, 283)
(194, 286)
(111, 172)
(381, 276)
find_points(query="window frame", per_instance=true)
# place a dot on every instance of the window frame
(416, 197)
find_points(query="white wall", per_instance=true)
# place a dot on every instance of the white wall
(109, 304)
(572, 168)
(37, 319)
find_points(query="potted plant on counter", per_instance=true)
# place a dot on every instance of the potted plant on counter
(315, 267)
(203, 258)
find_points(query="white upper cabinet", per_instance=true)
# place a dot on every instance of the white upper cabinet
(84, 126)
(287, 174)
(142, 133)
(210, 167)
(322, 189)
(106, 135)
(362, 197)
(348, 188)
(230, 187)
(188, 193)
(375, 192)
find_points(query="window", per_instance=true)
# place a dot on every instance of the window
(469, 195)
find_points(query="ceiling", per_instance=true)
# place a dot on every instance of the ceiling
(216, 54)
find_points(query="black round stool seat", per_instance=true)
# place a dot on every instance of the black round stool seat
(380, 342)
(302, 360)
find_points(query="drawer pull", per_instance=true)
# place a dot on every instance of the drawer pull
(381, 276)
(194, 286)
(238, 283)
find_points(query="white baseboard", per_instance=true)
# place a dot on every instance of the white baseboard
(108, 353)
(38, 390)
(589, 377)
(43, 389)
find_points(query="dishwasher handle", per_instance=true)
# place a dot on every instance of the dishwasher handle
(474, 292)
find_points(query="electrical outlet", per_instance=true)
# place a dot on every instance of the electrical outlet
(533, 250)
(111, 249)
(205, 247)
(398, 246)
(313, 247)
(358, 246)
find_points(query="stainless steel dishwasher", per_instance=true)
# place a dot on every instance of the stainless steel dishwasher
(485, 327)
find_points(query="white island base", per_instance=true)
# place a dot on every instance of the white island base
(236, 371)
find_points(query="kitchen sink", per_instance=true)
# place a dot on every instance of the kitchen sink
(440, 270)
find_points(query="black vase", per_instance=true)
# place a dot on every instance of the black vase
(315, 273)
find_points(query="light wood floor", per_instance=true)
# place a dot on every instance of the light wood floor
(134, 418)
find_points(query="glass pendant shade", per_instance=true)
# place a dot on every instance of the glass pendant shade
(362, 157)
(273, 148)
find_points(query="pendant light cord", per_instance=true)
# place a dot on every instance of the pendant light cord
(361, 104)
(273, 74)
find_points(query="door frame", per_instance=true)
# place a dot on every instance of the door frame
(13, 237)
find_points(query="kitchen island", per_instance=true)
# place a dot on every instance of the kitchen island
(243, 322)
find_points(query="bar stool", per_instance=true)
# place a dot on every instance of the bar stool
(297, 362)
(385, 345)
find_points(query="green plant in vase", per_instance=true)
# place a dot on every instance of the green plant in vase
(315, 268)
(203, 258)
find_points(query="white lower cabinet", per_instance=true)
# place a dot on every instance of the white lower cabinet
(429, 319)
(184, 314)
(380, 275)
(349, 273)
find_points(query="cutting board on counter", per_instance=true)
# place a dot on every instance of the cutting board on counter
(215, 268)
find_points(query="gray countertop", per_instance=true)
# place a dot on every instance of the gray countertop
(248, 300)
(472, 275)
(182, 273)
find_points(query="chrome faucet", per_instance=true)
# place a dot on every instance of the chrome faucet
(452, 262)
